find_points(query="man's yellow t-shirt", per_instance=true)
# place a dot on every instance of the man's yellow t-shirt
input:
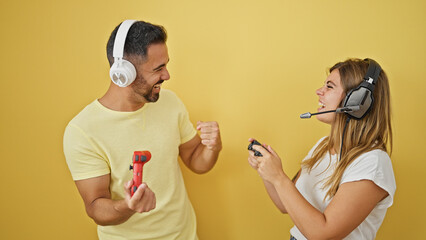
(101, 141)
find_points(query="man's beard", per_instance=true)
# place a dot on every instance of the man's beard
(149, 96)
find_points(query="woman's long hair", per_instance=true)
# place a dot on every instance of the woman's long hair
(374, 131)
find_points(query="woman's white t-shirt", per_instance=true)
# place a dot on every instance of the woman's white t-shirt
(374, 165)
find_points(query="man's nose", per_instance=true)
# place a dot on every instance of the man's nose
(166, 75)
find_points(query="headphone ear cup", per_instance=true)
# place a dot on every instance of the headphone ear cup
(362, 97)
(122, 73)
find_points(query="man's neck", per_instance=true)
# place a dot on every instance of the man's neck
(120, 99)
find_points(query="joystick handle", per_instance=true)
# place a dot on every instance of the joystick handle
(139, 159)
(256, 153)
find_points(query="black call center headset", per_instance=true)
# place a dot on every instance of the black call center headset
(359, 100)
(361, 97)
(122, 72)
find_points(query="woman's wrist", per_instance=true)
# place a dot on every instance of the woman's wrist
(281, 180)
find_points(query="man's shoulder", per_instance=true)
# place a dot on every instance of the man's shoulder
(85, 114)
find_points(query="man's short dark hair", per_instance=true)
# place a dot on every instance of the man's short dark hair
(140, 36)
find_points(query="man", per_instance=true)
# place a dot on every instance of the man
(136, 115)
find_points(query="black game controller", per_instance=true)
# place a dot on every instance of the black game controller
(256, 153)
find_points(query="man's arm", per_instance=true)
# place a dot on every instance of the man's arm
(201, 152)
(105, 211)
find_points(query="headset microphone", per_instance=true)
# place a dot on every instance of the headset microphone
(339, 110)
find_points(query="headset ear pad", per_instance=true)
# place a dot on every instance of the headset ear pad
(122, 73)
(361, 96)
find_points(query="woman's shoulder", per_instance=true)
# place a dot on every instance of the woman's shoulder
(374, 165)
(375, 158)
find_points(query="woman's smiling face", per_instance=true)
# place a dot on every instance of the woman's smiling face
(330, 96)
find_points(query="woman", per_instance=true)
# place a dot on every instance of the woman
(346, 182)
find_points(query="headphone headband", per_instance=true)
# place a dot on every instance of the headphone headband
(373, 71)
(120, 38)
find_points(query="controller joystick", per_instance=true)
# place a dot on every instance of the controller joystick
(256, 153)
(139, 159)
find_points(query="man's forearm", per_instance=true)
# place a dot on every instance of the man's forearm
(204, 159)
(109, 212)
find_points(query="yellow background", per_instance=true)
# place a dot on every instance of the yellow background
(253, 66)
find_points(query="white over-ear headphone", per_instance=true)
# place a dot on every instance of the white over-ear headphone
(122, 72)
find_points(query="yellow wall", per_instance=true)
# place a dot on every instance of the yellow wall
(253, 66)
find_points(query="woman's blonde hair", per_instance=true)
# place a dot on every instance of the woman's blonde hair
(374, 131)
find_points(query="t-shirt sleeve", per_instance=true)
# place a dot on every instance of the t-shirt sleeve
(377, 167)
(83, 160)
(186, 129)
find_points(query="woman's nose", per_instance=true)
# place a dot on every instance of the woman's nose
(320, 91)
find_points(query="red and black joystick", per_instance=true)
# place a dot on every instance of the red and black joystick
(139, 159)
